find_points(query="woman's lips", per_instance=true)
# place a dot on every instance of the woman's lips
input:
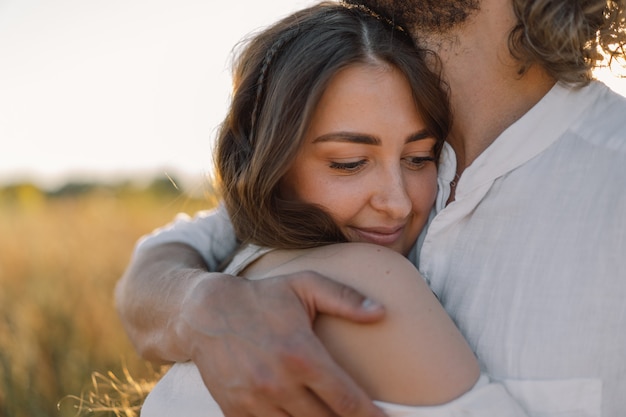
(380, 236)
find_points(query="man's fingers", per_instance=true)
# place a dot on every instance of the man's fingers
(305, 403)
(276, 392)
(323, 295)
(263, 359)
(331, 385)
(344, 397)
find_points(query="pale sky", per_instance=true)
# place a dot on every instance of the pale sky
(93, 89)
(109, 88)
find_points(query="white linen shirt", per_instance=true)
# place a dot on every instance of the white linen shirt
(529, 260)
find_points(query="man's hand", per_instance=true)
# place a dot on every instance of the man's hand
(251, 340)
(256, 351)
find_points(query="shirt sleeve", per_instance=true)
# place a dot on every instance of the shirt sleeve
(485, 399)
(209, 232)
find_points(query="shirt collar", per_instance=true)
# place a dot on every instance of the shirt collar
(539, 128)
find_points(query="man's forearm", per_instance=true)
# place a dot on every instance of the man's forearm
(150, 294)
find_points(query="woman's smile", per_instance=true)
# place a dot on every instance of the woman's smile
(384, 236)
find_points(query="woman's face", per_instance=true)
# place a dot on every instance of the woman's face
(367, 158)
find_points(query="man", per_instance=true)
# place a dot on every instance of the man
(526, 251)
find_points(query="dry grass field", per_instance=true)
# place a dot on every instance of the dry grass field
(60, 257)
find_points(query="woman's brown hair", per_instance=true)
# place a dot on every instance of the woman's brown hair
(278, 80)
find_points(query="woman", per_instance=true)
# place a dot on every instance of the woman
(333, 135)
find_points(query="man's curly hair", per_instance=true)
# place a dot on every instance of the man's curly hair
(569, 38)
(427, 15)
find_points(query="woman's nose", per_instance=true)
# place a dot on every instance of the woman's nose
(391, 196)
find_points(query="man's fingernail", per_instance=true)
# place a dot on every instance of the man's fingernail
(369, 304)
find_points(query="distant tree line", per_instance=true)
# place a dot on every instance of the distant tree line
(161, 187)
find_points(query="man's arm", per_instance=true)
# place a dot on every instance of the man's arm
(151, 294)
(252, 340)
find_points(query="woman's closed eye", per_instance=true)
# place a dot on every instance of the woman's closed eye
(348, 167)
(417, 162)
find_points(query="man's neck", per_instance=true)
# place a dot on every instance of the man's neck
(487, 93)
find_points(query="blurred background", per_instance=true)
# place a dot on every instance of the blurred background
(107, 114)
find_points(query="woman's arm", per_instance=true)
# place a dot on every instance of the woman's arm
(415, 355)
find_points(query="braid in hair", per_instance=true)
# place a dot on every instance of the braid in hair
(270, 56)
(348, 4)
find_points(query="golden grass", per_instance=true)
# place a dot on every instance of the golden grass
(59, 261)
(110, 394)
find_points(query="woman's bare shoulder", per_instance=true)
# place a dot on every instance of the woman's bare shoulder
(355, 251)
(415, 355)
(351, 263)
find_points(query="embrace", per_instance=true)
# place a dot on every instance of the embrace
(424, 214)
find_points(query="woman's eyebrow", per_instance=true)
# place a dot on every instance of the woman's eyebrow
(422, 134)
(365, 139)
(351, 137)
